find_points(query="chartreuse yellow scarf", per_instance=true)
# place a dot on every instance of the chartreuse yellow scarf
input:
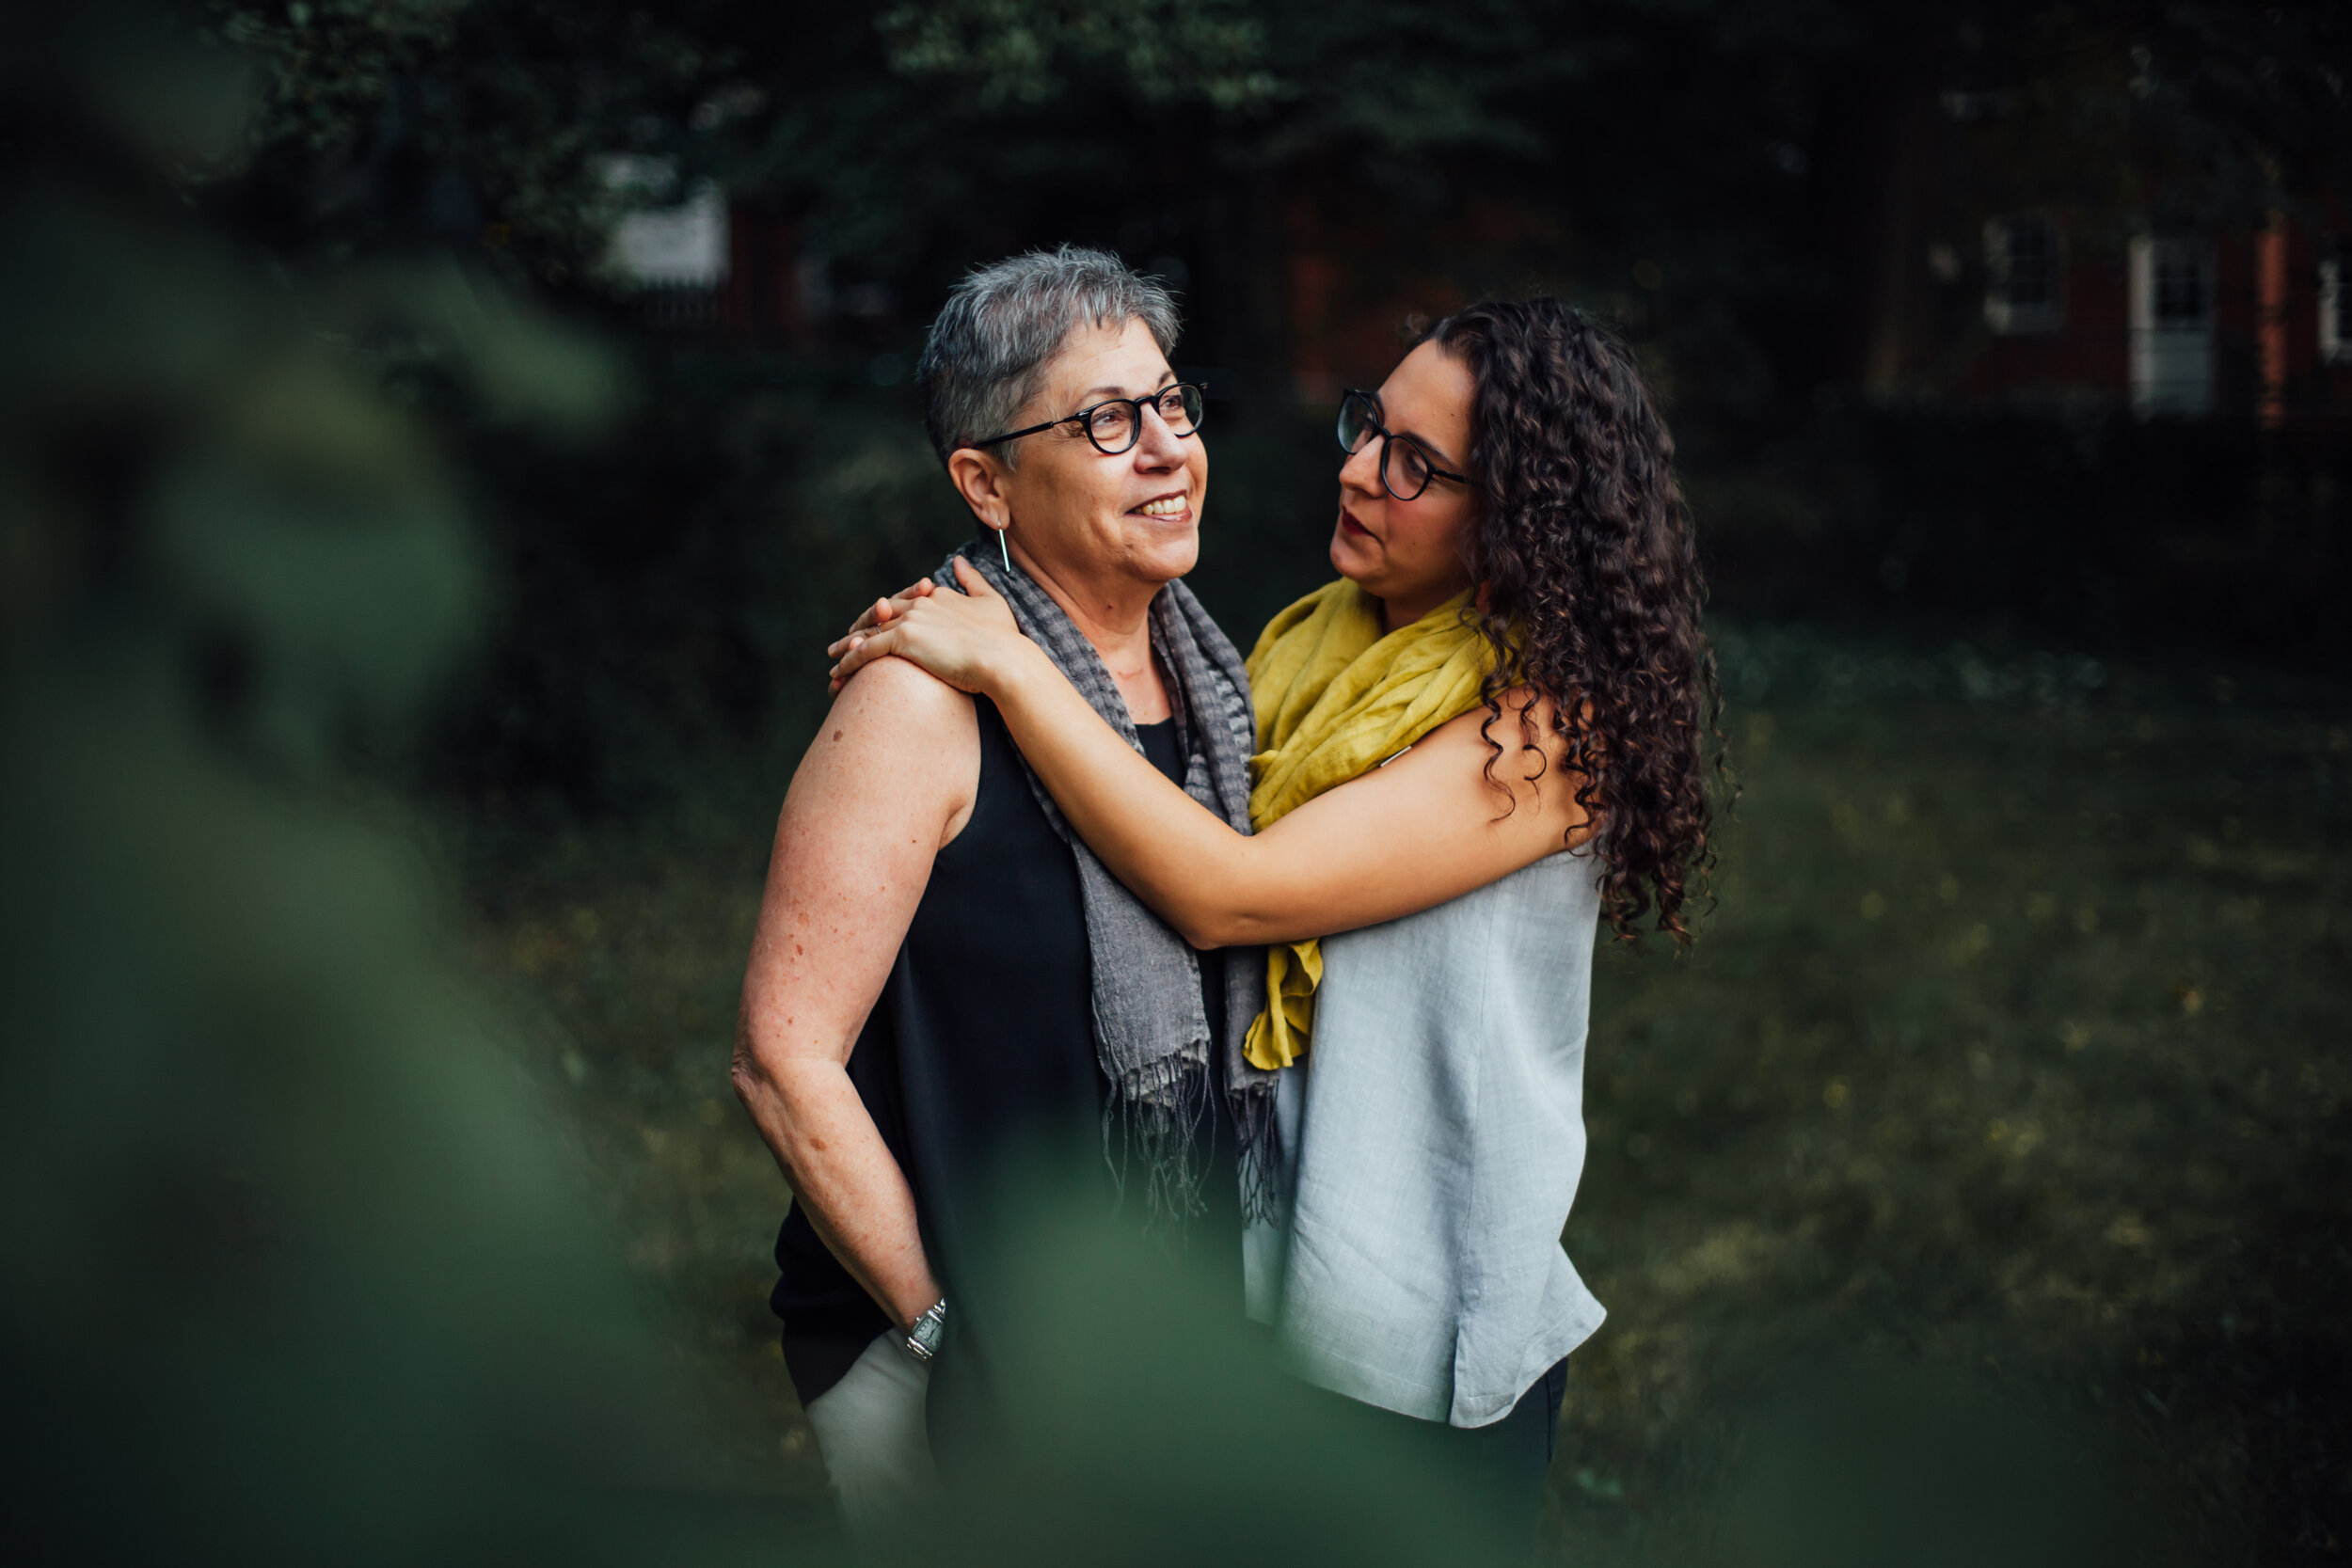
(1335, 699)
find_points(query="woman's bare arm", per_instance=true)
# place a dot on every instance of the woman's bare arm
(1427, 828)
(888, 780)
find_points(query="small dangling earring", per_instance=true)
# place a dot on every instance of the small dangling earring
(1004, 549)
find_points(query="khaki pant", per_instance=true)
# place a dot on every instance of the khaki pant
(870, 1428)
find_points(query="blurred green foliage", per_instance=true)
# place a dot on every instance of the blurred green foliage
(397, 125)
(299, 1268)
(909, 140)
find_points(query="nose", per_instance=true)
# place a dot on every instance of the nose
(1156, 446)
(1361, 472)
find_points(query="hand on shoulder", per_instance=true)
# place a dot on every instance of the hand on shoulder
(969, 640)
(894, 684)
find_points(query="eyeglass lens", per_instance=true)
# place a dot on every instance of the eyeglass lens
(1113, 427)
(1404, 468)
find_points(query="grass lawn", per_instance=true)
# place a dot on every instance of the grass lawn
(2015, 1055)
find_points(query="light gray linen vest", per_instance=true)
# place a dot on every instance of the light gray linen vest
(1433, 1140)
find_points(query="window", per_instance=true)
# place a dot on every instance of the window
(2182, 294)
(2023, 275)
(2335, 303)
(2171, 313)
(661, 241)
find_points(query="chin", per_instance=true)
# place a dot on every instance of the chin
(1166, 559)
(1348, 558)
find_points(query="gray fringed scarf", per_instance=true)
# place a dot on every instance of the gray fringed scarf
(1151, 1033)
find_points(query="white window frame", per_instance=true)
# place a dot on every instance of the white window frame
(659, 241)
(2164, 348)
(2335, 346)
(2011, 318)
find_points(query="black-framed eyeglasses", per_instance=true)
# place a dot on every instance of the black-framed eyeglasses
(1114, 426)
(1405, 468)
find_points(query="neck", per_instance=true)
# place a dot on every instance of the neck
(1403, 610)
(1398, 613)
(1115, 617)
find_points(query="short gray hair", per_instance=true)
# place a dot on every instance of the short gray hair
(1002, 325)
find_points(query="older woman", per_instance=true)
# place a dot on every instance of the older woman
(945, 981)
(1487, 735)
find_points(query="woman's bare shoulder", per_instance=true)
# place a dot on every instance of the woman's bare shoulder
(900, 686)
(895, 740)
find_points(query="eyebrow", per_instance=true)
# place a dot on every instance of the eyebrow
(1416, 437)
(1167, 378)
(1426, 445)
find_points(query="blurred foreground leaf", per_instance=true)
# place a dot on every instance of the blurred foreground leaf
(299, 1269)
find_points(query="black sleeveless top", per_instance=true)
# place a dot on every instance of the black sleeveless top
(981, 1048)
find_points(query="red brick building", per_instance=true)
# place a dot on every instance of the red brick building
(2173, 320)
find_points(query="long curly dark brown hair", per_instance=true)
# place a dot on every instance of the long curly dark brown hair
(1593, 591)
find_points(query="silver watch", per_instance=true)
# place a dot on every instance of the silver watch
(924, 1336)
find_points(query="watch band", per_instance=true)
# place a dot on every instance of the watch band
(924, 1334)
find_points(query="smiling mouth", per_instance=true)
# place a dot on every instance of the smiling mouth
(1167, 506)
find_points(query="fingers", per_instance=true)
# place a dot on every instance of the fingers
(862, 651)
(974, 584)
(880, 613)
(883, 611)
(874, 613)
(837, 677)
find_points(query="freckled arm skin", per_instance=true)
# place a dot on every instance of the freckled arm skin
(889, 779)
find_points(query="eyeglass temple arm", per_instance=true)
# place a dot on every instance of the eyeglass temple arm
(1200, 387)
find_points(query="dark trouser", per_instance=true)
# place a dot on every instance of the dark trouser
(1503, 1463)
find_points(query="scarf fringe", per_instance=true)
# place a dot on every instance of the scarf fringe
(1260, 1155)
(1156, 1113)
